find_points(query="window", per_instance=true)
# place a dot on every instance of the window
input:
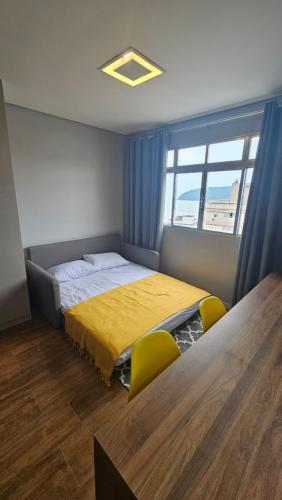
(253, 148)
(226, 151)
(207, 186)
(221, 200)
(245, 196)
(168, 198)
(187, 199)
(170, 158)
(192, 156)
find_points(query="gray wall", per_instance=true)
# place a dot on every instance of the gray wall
(206, 260)
(14, 303)
(68, 177)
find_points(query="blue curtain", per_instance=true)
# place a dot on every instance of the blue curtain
(143, 186)
(261, 243)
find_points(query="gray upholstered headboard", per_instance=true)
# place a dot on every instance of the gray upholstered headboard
(52, 254)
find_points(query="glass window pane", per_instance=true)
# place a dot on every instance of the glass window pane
(226, 151)
(170, 158)
(247, 184)
(191, 156)
(168, 199)
(221, 200)
(253, 148)
(187, 199)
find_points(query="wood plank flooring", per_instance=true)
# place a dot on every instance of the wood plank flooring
(51, 403)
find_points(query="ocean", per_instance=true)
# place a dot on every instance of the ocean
(183, 208)
(187, 207)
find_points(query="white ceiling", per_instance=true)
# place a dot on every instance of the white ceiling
(216, 52)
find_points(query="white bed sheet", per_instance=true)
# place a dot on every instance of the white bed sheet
(75, 291)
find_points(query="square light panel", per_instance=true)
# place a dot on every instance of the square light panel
(132, 68)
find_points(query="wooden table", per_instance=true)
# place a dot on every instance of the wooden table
(210, 426)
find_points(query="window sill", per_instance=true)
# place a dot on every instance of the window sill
(205, 231)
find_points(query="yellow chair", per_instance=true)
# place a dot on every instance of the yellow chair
(211, 310)
(150, 355)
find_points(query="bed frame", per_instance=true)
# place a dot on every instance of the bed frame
(43, 288)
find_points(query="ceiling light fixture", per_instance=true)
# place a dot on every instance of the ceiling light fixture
(132, 68)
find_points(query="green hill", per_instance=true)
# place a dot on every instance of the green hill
(212, 193)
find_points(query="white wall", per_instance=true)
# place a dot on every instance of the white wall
(68, 177)
(14, 303)
(206, 260)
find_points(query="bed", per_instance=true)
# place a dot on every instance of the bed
(105, 312)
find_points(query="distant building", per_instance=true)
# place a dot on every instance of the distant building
(186, 220)
(219, 215)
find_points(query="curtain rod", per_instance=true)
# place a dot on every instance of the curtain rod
(187, 125)
(174, 127)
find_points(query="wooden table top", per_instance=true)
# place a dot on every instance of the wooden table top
(210, 426)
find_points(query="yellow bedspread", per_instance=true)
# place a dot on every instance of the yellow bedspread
(105, 325)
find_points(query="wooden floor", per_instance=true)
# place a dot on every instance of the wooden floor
(51, 402)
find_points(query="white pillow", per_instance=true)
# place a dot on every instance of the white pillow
(102, 261)
(71, 270)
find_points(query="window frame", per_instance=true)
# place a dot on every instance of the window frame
(205, 168)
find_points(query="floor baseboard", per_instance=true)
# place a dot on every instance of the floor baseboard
(9, 324)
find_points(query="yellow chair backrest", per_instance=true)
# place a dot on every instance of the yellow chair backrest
(211, 310)
(151, 354)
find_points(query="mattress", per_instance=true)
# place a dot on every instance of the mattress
(75, 291)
